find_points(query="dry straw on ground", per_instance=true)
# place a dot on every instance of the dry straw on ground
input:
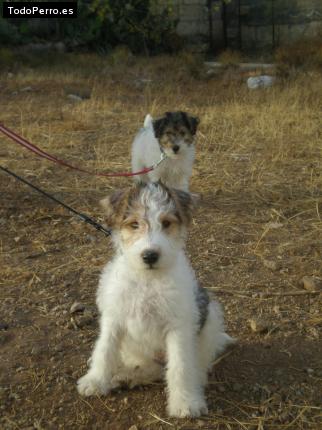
(258, 169)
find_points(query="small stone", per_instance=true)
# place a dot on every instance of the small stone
(59, 348)
(237, 387)
(77, 307)
(310, 283)
(221, 388)
(74, 97)
(141, 83)
(60, 47)
(90, 238)
(258, 326)
(310, 371)
(276, 309)
(4, 326)
(134, 427)
(26, 89)
(37, 350)
(84, 319)
(270, 264)
(10, 75)
(274, 225)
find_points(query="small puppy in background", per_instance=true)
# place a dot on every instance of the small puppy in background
(151, 306)
(174, 135)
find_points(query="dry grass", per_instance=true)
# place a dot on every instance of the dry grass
(230, 58)
(256, 234)
(305, 54)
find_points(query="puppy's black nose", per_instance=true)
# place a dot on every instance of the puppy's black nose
(175, 148)
(150, 257)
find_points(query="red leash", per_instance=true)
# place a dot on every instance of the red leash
(23, 142)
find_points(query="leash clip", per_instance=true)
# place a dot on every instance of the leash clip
(163, 157)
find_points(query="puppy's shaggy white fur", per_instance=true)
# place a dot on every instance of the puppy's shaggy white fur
(149, 305)
(175, 171)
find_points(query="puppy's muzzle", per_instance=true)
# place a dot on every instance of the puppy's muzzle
(175, 148)
(150, 257)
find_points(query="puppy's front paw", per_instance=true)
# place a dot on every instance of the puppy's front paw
(89, 385)
(187, 408)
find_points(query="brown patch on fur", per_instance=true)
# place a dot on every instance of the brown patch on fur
(118, 204)
(129, 237)
(128, 232)
(160, 357)
(170, 223)
(172, 134)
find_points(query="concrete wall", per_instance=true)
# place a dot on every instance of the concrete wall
(193, 20)
(294, 19)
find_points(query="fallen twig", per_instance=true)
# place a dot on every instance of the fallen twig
(262, 294)
(233, 293)
(160, 419)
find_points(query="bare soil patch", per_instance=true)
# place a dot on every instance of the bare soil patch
(256, 234)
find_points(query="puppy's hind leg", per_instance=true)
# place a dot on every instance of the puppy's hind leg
(212, 339)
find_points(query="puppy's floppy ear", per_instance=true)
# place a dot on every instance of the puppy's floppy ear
(112, 204)
(191, 122)
(158, 127)
(185, 203)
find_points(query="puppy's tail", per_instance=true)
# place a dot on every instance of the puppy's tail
(148, 121)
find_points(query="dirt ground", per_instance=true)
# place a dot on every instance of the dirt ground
(255, 235)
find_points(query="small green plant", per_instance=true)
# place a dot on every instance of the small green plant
(7, 58)
(193, 63)
(142, 25)
(9, 34)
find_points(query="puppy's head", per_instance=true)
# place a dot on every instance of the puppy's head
(175, 132)
(149, 224)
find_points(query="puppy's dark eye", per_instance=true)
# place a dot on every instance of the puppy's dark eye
(134, 225)
(166, 223)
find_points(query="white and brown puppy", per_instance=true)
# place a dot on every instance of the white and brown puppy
(151, 305)
(174, 135)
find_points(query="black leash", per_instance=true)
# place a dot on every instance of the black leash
(81, 216)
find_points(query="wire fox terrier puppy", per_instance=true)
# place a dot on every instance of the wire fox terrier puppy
(172, 135)
(152, 311)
